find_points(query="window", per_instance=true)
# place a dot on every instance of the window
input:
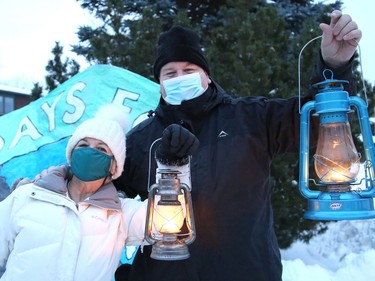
(1, 105)
(6, 104)
(9, 104)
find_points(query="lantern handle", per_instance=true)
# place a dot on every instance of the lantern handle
(149, 163)
(361, 72)
(299, 71)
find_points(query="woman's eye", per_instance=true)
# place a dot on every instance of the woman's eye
(82, 145)
(103, 149)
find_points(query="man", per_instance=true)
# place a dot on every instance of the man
(230, 173)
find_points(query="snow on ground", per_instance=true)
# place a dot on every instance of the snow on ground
(345, 252)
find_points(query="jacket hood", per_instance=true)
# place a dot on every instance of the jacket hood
(56, 181)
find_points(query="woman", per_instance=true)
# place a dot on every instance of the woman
(73, 229)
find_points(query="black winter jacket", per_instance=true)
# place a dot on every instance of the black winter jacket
(230, 183)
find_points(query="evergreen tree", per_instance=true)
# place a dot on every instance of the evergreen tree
(36, 92)
(128, 32)
(248, 50)
(59, 71)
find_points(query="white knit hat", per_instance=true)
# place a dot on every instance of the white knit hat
(109, 125)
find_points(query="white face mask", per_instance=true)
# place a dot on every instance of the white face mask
(180, 88)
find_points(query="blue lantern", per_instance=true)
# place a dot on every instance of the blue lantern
(338, 194)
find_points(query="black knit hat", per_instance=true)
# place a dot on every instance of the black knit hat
(179, 44)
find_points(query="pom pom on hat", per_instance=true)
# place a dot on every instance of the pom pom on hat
(179, 44)
(109, 125)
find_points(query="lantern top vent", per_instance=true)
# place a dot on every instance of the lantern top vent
(330, 84)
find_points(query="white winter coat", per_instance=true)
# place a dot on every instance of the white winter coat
(45, 236)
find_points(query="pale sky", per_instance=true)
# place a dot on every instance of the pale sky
(29, 30)
(28, 33)
(362, 12)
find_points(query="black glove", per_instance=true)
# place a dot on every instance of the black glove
(176, 144)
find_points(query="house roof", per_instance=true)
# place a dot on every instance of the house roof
(6, 88)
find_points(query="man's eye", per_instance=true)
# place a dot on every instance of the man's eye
(191, 70)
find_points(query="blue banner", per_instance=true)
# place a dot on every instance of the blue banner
(34, 137)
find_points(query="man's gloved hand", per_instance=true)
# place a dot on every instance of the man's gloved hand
(176, 144)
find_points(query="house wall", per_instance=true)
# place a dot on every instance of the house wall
(12, 99)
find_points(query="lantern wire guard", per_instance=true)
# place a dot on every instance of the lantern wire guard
(170, 223)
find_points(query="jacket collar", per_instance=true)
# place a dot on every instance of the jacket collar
(196, 108)
(56, 181)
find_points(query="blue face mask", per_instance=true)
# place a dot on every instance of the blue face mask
(89, 164)
(180, 88)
